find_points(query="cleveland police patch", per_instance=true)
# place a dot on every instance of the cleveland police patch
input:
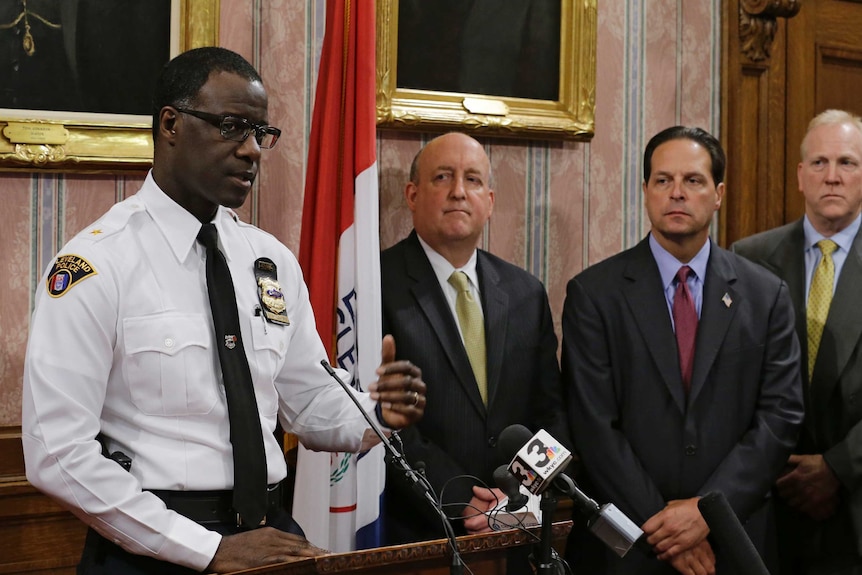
(67, 271)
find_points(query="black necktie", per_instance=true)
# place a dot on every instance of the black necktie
(249, 458)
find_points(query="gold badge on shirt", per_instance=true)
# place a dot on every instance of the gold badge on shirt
(269, 292)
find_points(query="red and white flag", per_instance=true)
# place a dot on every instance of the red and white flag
(337, 497)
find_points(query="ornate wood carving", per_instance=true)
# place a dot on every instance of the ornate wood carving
(411, 553)
(484, 553)
(774, 8)
(757, 24)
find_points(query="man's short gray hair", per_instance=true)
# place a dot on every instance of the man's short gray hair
(830, 118)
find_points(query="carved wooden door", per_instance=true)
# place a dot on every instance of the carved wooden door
(824, 70)
(784, 61)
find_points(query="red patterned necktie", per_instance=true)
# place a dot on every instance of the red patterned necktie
(685, 324)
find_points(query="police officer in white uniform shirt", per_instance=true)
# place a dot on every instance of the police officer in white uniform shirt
(122, 359)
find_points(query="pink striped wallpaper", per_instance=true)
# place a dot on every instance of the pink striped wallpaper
(560, 205)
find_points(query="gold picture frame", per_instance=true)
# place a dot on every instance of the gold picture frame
(571, 116)
(71, 142)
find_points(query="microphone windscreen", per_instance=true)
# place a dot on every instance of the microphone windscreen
(509, 485)
(511, 440)
(505, 480)
(732, 540)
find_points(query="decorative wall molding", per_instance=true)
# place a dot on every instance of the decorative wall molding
(758, 20)
(753, 113)
(774, 8)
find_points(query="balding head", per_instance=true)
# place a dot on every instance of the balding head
(450, 195)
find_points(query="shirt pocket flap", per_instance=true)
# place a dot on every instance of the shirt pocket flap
(168, 333)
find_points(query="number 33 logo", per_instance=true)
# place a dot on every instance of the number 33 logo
(540, 450)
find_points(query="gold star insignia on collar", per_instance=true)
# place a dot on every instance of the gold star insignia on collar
(95, 232)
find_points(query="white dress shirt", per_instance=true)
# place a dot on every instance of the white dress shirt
(127, 351)
(443, 269)
(668, 266)
(843, 239)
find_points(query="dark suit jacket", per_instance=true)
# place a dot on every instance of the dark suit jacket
(458, 435)
(642, 441)
(833, 423)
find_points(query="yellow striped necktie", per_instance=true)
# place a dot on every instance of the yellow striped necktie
(472, 330)
(819, 298)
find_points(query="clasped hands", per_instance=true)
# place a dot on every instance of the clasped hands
(810, 486)
(677, 534)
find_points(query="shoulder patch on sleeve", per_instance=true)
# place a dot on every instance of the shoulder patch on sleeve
(66, 272)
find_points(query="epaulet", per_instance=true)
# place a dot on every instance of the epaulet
(240, 223)
(233, 215)
(243, 224)
(113, 221)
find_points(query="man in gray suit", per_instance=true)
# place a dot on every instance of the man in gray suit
(820, 505)
(682, 369)
(477, 384)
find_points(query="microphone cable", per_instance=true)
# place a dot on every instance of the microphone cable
(560, 565)
(420, 482)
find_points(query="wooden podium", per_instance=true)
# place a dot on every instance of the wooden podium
(484, 554)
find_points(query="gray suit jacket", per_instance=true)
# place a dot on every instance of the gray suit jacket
(833, 423)
(457, 436)
(642, 441)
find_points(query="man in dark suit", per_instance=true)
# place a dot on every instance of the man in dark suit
(682, 369)
(819, 510)
(472, 395)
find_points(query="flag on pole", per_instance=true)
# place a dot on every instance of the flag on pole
(337, 496)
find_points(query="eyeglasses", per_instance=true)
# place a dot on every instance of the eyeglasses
(237, 129)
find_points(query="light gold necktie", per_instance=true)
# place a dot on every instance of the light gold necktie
(472, 330)
(819, 298)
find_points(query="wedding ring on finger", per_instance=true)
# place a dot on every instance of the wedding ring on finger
(415, 398)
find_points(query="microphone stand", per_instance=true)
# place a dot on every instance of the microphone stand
(544, 563)
(564, 485)
(417, 482)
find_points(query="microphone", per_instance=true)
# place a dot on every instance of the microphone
(418, 481)
(507, 516)
(728, 533)
(540, 462)
(538, 459)
(373, 424)
(509, 485)
(606, 521)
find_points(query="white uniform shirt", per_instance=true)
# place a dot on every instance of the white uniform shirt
(127, 350)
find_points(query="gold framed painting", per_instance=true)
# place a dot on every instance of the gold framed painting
(519, 68)
(82, 103)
